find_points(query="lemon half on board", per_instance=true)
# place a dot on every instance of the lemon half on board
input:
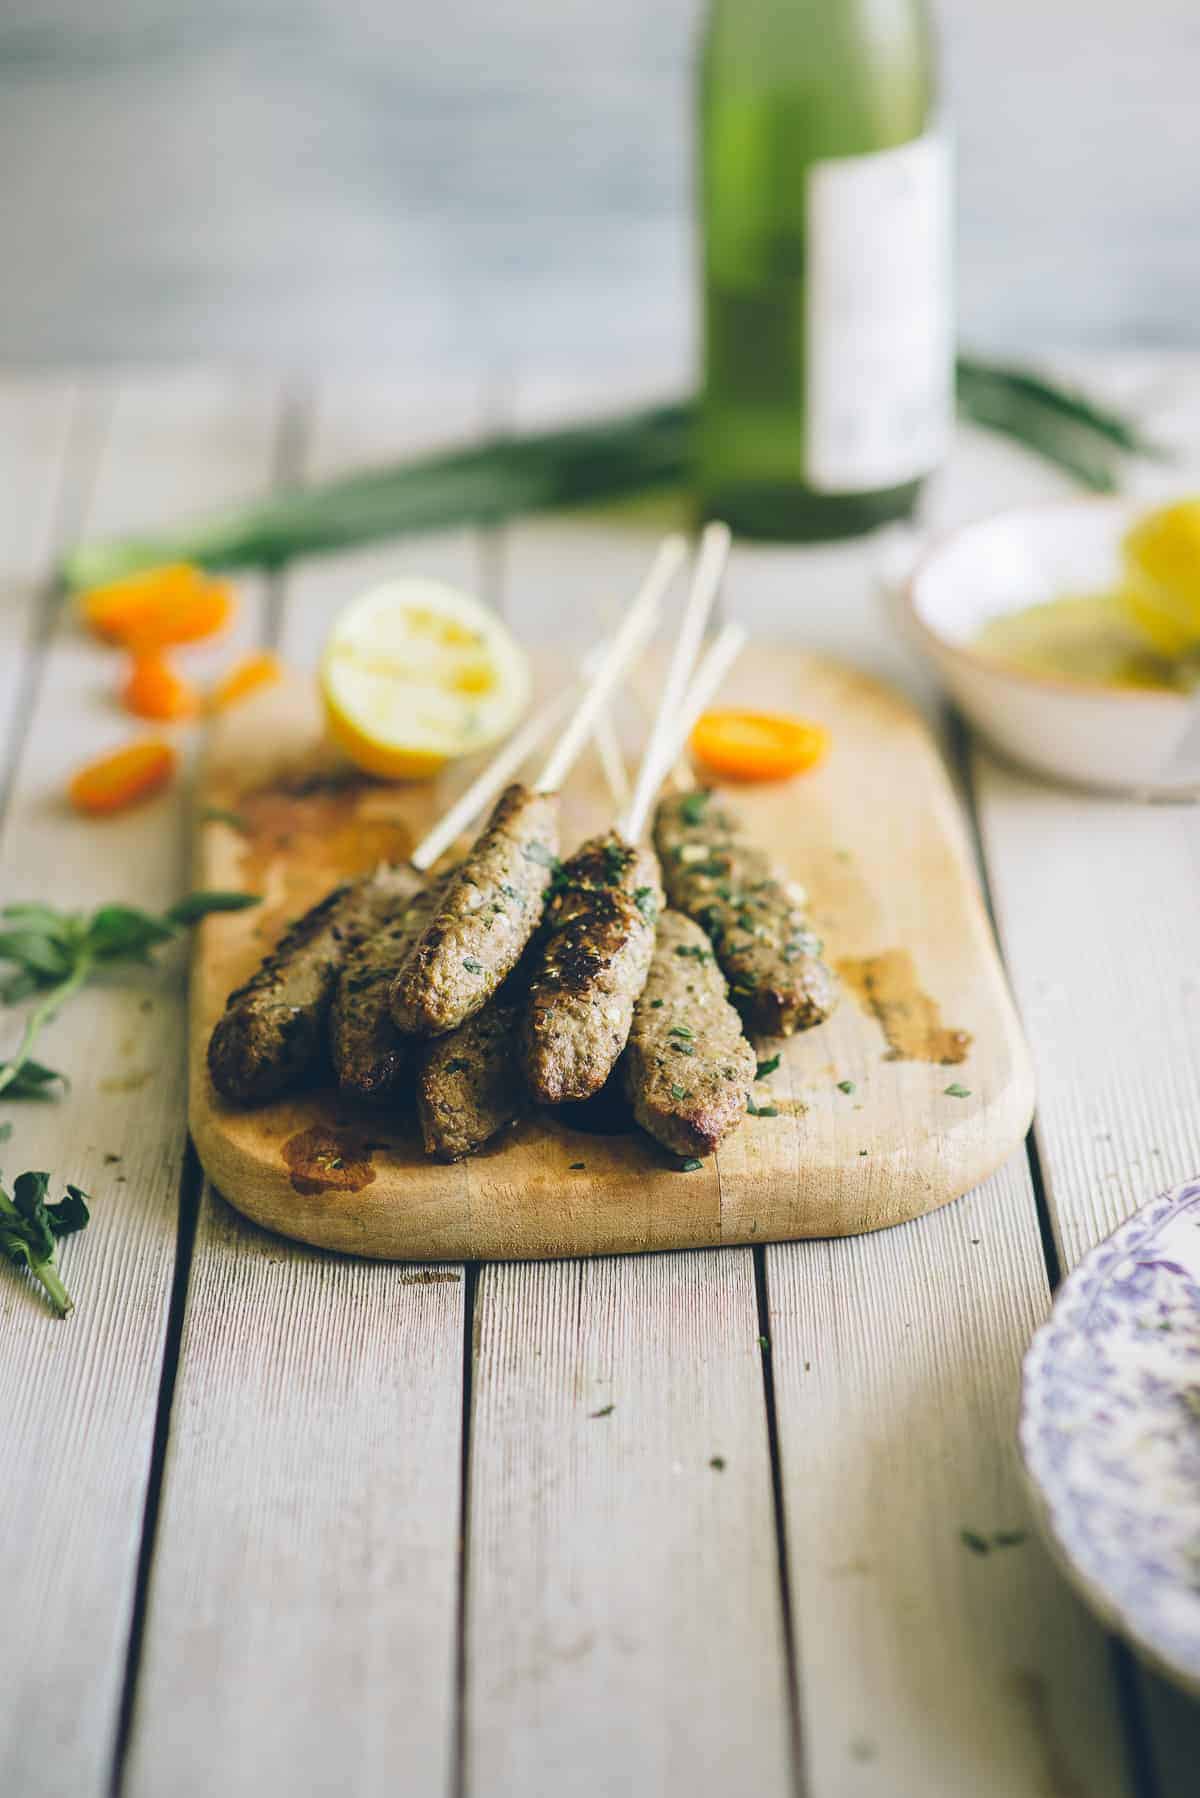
(415, 673)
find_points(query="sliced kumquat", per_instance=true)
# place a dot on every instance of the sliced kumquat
(245, 677)
(164, 606)
(122, 778)
(152, 689)
(758, 745)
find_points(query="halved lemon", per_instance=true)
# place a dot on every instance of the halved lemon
(1162, 591)
(415, 673)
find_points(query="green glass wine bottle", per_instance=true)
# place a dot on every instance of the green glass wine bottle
(824, 188)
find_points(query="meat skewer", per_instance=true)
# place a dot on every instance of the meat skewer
(494, 902)
(272, 1032)
(600, 925)
(756, 920)
(688, 1070)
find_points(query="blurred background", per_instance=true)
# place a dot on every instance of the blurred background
(363, 179)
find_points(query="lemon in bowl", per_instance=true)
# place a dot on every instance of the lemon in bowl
(416, 673)
(1162, 578)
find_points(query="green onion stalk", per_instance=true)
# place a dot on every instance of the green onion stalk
(510, 476)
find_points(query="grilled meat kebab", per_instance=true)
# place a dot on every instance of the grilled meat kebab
(272, 1031)
(370, 1056)
(758, 928)
(486, 916)
(687, 1070)
(591, 968)
(470, 1083)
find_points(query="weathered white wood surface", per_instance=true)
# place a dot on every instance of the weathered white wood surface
(301, 1630)
(79, 1398)
(622, 1607)
(623, 1613)
(1096, 903)
(624, 1630)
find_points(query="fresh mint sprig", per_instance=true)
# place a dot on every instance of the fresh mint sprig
(53, 953)
(30, 1229)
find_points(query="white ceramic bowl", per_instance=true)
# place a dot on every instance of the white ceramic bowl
(1132, 740)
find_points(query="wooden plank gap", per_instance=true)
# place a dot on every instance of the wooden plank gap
(191, 1181)
(289, 457)
(787, 1612)
(458, 1768)
(1129, 1685)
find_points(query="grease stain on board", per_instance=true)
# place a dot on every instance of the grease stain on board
(886, 986)
(323, 1160)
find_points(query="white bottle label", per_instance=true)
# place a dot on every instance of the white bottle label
(880, 361)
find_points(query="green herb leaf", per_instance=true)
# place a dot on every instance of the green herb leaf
(577, 1167)
(122, 931)
(677, 1092)
(31, 1080)
(955, 1091)
(655, 1004)
(681, 1030)
(471, 965)
(766, 1067)
(646, 902)
(767, 1111)
(36, 951)
(846, 1086)
(198, 905)
(971, 1539)
(717, 1463)
(684, 1048)
(690, 1166)
(29, 1227)
(693, 806)
(604, 1411)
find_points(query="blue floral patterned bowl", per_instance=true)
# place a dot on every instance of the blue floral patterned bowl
(1110, 1431)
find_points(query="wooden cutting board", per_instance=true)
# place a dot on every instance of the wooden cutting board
(865, 1132)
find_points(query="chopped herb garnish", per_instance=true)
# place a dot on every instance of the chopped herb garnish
(677, 1092)
(655, 1004)
(646, 903)
(617, 858)
(690, 1166)
(457, 1064)
(955, 1091)
(766, 1067)
(694, 950)
(681, 1030)
(577, 1167)
(693, 806)
(1008, 1538)
(717, 1462)
(846, 1086)
(971, 1539)
(862, 1151)
(542, 855)
(509, 892)
(764, 1343)
(767, 1111)
(604, 1411)
(684, 1048)
(471, 965)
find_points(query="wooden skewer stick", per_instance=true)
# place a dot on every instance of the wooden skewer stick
(635, 630)
(706, 583)
(492, 781)
(719, 657)
(586, 706)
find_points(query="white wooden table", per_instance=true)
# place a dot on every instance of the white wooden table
(280, 1523)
